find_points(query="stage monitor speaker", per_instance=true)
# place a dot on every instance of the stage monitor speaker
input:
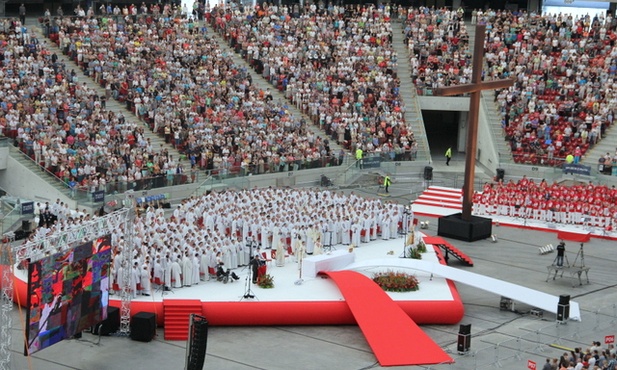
(428, 173)
(564, 299)
(501, 173)
(563, 312)
(464, 329)
(143, 326)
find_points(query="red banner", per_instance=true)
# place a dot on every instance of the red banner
(531, 365)
(609, 339)
(573, 237)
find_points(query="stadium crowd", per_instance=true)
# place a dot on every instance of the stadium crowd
(438, 45)
(336, 64)
(177, 79)
(563, 99)
(63, 124)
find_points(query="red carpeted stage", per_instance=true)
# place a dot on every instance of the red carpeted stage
(324, 300)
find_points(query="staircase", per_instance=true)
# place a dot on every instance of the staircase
(449, 249)
(408, 93)
(39, 170)
(261, 83)
(441, 197)
(494, 120)
(177, 312)
(606, 145)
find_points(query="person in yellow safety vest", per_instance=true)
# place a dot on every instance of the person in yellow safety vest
(448, 156)
(387, 182)
(359, 154)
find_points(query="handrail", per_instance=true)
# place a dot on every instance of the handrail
(64, 184)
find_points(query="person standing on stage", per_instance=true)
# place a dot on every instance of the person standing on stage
(176, 273)
(448, 156)
(145, 280)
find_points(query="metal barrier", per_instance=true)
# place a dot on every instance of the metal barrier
(533, 342)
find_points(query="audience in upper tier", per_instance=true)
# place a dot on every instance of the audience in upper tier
(336, 64)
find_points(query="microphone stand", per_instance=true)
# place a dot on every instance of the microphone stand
(248, 292)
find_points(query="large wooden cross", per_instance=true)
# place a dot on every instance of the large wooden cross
(475, 88)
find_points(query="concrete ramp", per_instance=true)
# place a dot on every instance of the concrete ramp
(515, 292)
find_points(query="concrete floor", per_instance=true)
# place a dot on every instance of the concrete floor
(503, 338)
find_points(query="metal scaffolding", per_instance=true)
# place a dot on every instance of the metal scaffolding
(39, 248)
(6, 303)
(125, 294)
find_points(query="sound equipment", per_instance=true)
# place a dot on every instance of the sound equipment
(198, 342)
(563, 308)
(428, 173)
(501, 173)
(564, 299)
(464, 329)
(464, 339)
(110, 325)
(143, 326)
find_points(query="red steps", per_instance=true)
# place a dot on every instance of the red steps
(177, 313)
(439, 196)
(449, 248)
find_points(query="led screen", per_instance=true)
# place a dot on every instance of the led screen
(67, 293)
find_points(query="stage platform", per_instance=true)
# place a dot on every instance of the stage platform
(310, 301)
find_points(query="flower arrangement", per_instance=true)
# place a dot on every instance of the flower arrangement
(392, 281)
(421, 247)
(413, 252)
(265, 281)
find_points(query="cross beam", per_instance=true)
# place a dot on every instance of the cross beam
(475, 88)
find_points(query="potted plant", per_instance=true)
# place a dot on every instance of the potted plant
(421, 247)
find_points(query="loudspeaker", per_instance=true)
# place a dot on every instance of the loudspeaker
(564, 299)
(463, 343)
(563, 312)
(143, 326)
(464, 329)
(198, 342)
(26, 225)
(428, 173)
(110, 325)
(501, 173)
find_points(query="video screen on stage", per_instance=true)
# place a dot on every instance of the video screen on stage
(67, 293)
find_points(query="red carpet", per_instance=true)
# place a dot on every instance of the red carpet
(392, 335)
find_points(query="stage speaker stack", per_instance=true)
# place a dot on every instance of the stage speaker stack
(143, 326)
(198, 342)
(428, 173)
(110, 325)
(563, 308)
(464, 339)
(501, 173)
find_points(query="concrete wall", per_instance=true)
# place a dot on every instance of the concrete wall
(4, 157)
(20, 181)
(444, 103)
(487, 154)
